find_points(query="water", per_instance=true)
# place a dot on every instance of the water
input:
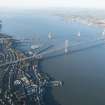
(83, 72)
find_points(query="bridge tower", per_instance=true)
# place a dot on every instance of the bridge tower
(66, 46)
(0, 25)
(103, 33)
(50, 35)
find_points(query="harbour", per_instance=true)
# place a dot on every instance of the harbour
(82, 71)
(24, 82)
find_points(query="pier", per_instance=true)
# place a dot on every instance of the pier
(21, 81)
(49, 49)
(20, 71)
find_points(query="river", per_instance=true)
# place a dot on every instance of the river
(83, 72)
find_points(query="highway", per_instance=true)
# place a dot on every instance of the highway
(72, 47)
(14, 72)
(7, 75)
(22, 84)
(20, 60)
(55, 50)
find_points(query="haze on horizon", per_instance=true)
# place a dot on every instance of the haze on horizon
(30, 4)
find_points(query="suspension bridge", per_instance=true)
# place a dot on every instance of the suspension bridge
(50, 49)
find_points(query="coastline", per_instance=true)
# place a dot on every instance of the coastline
(24, 81)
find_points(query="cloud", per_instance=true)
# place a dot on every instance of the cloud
(79, 3)
(52, 3)
(23, 3)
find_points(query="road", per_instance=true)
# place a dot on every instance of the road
(7, 71)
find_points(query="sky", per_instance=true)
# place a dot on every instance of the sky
(98, 4)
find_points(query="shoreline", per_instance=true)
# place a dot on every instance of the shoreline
(22, 77)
